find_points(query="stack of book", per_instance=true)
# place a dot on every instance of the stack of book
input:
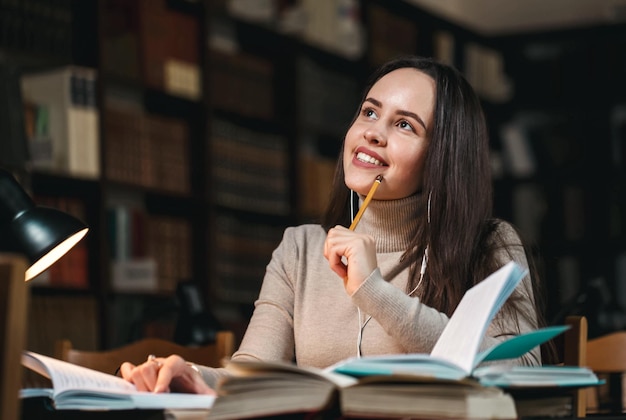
(146, 150)
(447, 383)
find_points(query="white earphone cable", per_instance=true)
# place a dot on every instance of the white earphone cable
(419, 283)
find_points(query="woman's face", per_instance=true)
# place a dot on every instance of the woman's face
(390, 135)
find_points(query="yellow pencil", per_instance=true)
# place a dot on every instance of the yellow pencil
(367, 200)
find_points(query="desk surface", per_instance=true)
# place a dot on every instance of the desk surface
(40, 409)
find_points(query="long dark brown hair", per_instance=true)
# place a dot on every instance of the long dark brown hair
(457, 188)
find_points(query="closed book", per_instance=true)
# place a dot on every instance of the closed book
(67, 94)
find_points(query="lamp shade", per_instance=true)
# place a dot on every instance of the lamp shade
(41, 234)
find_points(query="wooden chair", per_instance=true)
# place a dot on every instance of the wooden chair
(606, 356)
(109, 360)
(575, 354)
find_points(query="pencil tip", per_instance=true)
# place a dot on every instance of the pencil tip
(379, 178)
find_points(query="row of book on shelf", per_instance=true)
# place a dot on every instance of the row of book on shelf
(38, 27)
(150, 41)
(327, 99)
(146, 150)
(62, 120)
(449, 382)
(242, 251)
(149, 253)
(242, 83)
(62, 124)
(250, 169)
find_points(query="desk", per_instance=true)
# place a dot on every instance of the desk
(40, 409)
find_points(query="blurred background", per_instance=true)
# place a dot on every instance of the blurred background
(189, 133)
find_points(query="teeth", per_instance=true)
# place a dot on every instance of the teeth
(363, 157)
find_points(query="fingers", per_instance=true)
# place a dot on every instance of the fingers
(198, 384)
(160, 374)
(334, 255)
(144, 376)
(164, 377)
(126, 370)
(350, 255)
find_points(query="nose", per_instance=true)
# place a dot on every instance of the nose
(376, 135)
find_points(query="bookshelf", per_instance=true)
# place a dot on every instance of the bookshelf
(218, 126)
(154, 204)
(566, 113)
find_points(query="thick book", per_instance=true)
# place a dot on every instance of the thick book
(261, 389)
(78, 388)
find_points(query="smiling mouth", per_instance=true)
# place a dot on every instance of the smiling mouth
(364, 157)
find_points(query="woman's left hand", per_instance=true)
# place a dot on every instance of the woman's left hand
(351, 255)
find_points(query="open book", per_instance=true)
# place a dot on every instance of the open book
(456, 356)
(79, 388)
(260, 389)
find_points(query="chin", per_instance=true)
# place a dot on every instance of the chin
(359, 186)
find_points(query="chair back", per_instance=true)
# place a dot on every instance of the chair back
(137, 352)
(606, 356)
(575, 354)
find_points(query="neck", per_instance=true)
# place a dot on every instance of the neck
(393, 223)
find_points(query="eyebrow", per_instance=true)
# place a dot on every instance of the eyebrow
(401, 112)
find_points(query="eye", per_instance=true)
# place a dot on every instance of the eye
(369, 113)
(405, 125)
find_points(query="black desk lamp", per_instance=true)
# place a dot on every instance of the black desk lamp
(32, 238)
(40, 234)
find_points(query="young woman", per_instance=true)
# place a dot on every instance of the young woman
(391, 284)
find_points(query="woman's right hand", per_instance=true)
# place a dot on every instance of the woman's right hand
(351, 255)
(165, 374)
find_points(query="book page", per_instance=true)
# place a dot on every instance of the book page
(461, 338)
(66, 375)
(255, 368)
(415, 365)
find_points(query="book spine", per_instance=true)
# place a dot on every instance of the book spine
(147, 150)
(243, 84)
(250, 169)
(241, 252)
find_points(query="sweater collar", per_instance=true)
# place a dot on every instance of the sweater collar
(392, 223)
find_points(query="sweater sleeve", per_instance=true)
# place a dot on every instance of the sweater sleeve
(417, 327)
(270, 335)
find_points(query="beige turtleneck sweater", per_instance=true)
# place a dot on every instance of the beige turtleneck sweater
(303, 313)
